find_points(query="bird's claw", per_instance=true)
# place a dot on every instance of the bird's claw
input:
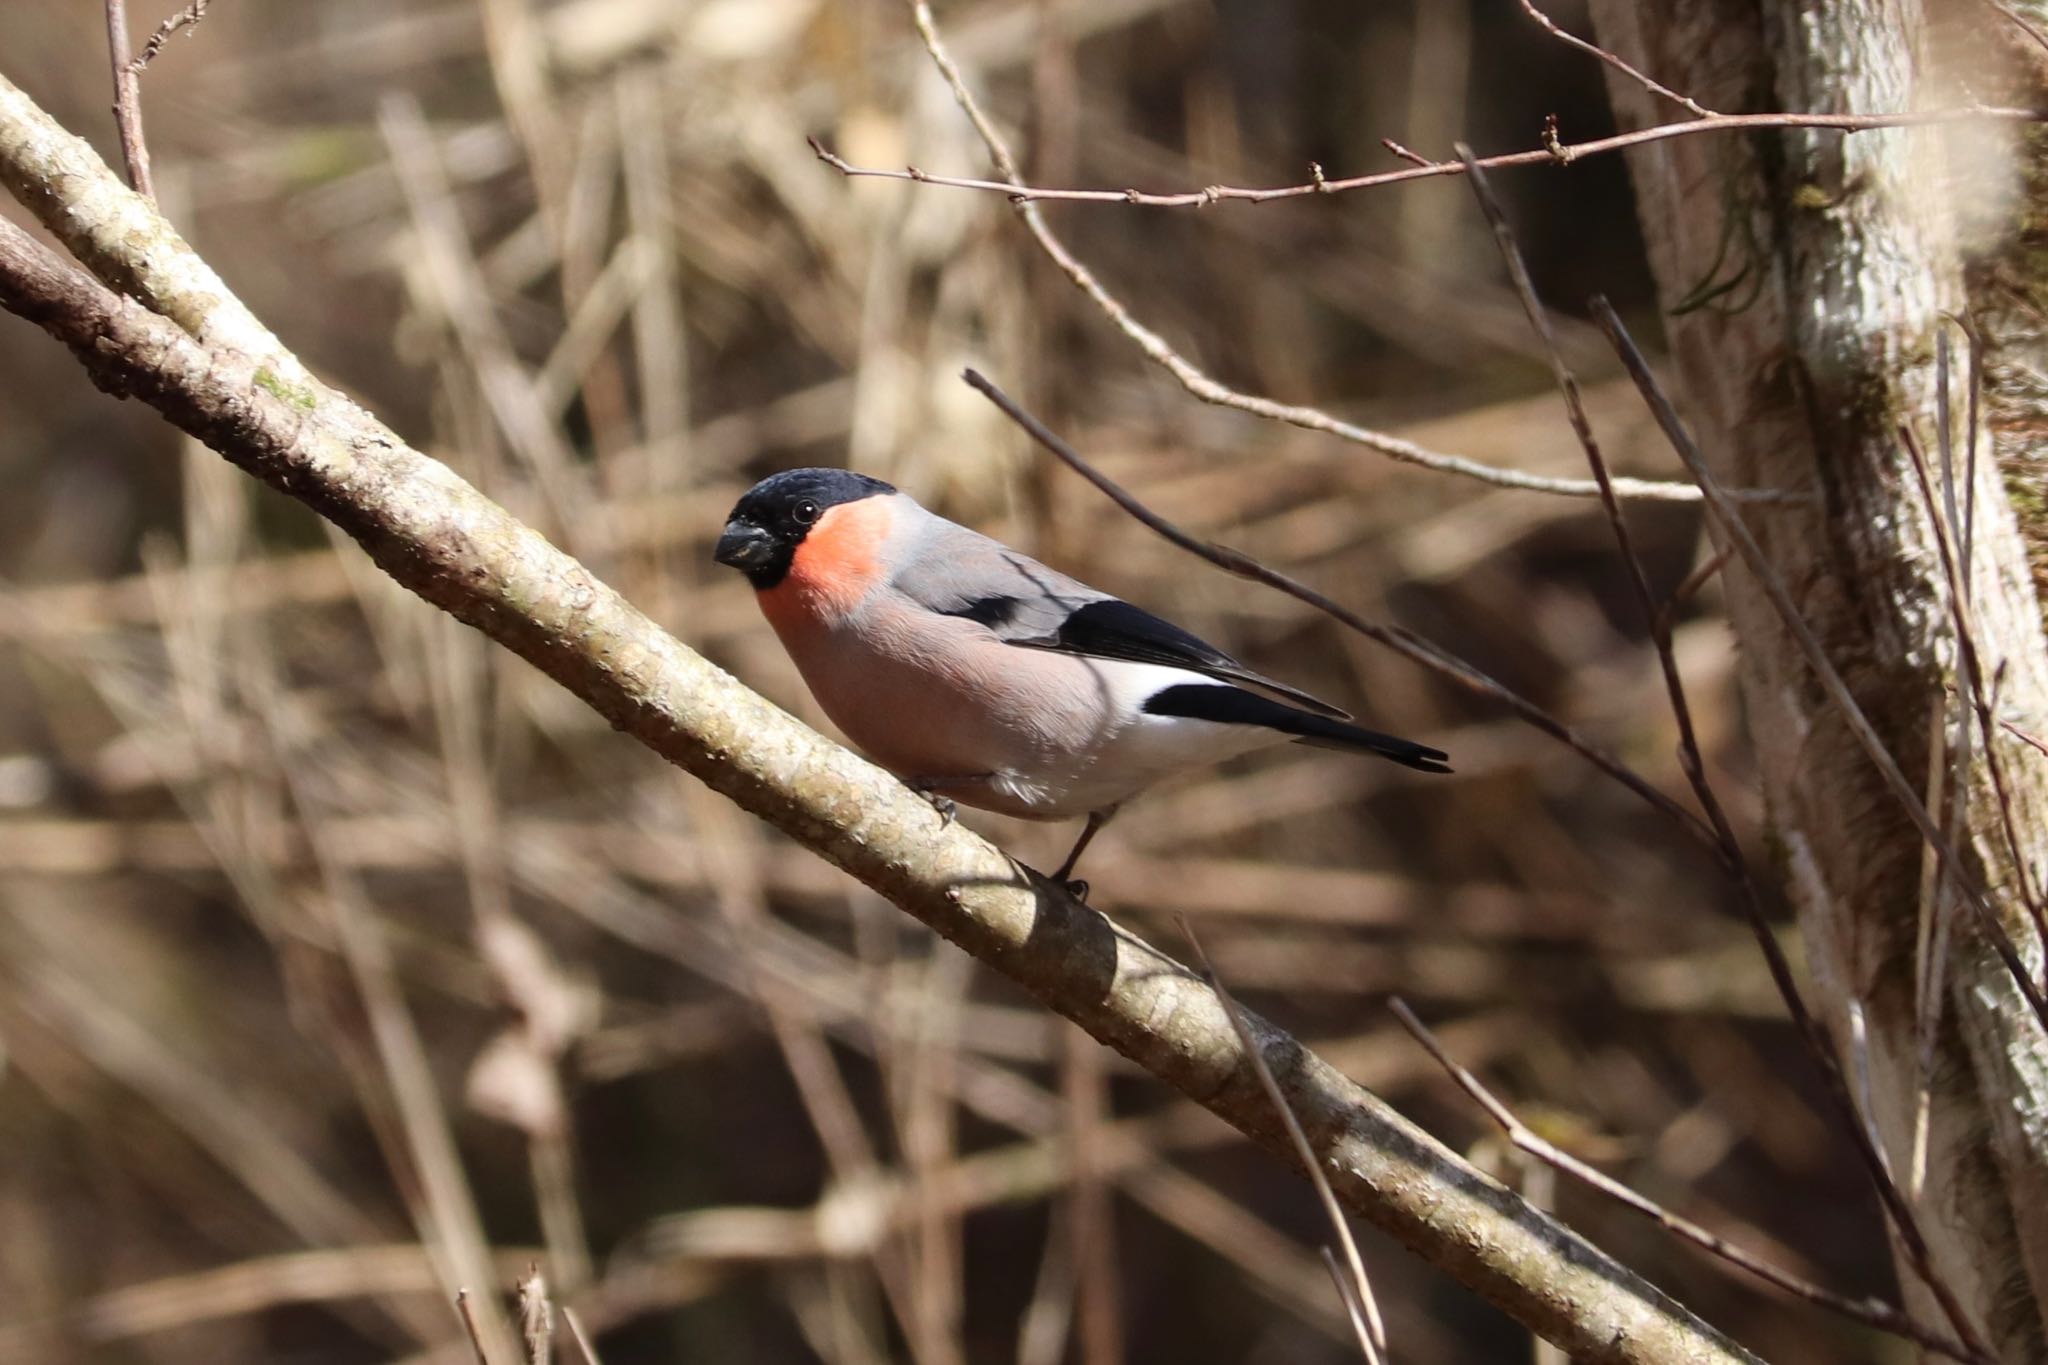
(944, 805)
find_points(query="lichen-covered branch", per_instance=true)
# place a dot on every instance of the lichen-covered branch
(445, 541)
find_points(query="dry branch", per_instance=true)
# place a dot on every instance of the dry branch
(1553, 153)
(184, 18)
(1155, 347)
(1875, 1312)
(128, 98)
(442, 539)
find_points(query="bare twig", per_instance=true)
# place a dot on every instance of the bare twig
(583, 1341)
(1873, 1312)
(1688, 588)
(445, 1210)
(543, 1004)
(1190, 376)
(1931, 936)
(1979, 697)
(1372, 1335)
(1964, 539)
(470, 1327)
(462, 296)
(1090, 1206)
(128, 99)
(1727, 846)
(184, 18)
(1565, 152)
(1685, 102)
(1397, 149)
(2026, 737)
(1970, 434)
(1399, 639)
(1354, 1311)
(2021, 21)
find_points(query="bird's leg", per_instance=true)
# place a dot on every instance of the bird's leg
(1077, 888)
(944, 805)
(928, 788)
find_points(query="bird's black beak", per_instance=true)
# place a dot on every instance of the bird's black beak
(744, 546)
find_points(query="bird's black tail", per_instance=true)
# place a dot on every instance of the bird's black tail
(1234, 706)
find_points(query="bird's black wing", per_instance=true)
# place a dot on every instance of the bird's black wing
(1109, 628)
(1236, 706)
(1040, 608)
(1114, 629)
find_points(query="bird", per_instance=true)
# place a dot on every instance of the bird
(978, 675)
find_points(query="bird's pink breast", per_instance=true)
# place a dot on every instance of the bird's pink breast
(933, 697)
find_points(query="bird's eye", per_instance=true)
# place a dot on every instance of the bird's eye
(805, 512)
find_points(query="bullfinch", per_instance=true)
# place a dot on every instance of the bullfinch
(977, 674)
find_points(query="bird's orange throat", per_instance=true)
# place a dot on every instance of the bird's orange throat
(836, 566)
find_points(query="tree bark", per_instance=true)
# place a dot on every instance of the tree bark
(1822, 267)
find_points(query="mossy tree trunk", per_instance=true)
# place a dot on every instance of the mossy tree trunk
(1822, 267)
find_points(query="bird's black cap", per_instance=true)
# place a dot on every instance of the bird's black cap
(772, 518)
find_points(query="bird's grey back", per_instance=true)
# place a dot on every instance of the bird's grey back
(950, 569)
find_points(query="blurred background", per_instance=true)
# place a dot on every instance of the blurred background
(344, 959)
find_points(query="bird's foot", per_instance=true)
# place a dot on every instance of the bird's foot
(944, 805)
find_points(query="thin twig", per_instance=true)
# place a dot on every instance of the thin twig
(1873, 1312)
(128, 99)
(2026, 737)
(583, 1342)
(470, 1326)
(1685, 102)
(1931, 937)
(1090, 1222)
(1541, 156)
(1859, 1067)
(1978, 698)
(1726, 844)
(1944, 441)
(1372, 1336)
(2025, 25)
(1689, 587)
(1397, 638)
(1398, 150)
(1354, 1311)
(441, 1202)
(1190, 376)
(184, 18)
(1976, 381)
(1964, 537)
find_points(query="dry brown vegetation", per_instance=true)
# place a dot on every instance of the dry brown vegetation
(344, 959)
